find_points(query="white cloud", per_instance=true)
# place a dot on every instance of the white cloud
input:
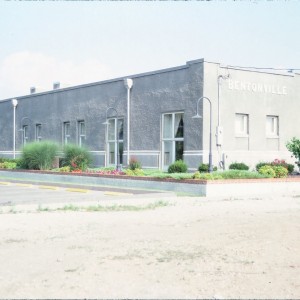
(22, 70)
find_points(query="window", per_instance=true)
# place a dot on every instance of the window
(25, 134)
(115, 129)
(241, 125)
(272, 126)
(67, 135)
(81, 133)
(173, 138)
(38, 131)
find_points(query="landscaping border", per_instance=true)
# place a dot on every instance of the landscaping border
(226, 188)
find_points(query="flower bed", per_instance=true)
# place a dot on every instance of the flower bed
(224, 188)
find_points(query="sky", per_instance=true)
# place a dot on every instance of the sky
(77, 42)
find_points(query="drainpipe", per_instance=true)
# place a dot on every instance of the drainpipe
(14, 102)
(219, 128)
(219, 131)
(128, 84)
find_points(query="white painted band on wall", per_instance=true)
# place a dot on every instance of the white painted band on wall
(189, 153)
(10, 152)
(98, 152)
(146, 152)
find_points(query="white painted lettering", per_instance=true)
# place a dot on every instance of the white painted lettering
(267, 88)
(256, 87)
(243, 85)
(284, 90)
(248, 86)
(260, 88)
(273, 89)
(236, 85)
(279, 90)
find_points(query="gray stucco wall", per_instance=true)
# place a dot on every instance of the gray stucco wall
(152, 94)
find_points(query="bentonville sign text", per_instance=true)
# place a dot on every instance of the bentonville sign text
(257, 87)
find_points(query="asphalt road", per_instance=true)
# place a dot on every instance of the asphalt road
(16, 193)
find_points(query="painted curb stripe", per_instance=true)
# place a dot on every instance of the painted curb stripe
(23, 184)
(48, 187)
(117, 194)
(77, 190)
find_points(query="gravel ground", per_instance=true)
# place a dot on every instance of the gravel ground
(184, 247)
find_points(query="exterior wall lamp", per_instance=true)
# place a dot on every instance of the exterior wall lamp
(128, 84)
(118, 167)
(22, 129)
(197, 116)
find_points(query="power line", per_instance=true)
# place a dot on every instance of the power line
(268, 68)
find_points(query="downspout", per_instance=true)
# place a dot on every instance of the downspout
(14, 103)
(128, 84)
(219, 131)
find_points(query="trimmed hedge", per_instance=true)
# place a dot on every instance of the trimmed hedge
(204, 168)
(179, 166)
(238, 166)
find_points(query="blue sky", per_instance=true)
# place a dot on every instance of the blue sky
(85, 41)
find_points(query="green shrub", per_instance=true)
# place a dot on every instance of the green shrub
(282, 163)
(267, 170)
(238, 166)
(134, 164)
(179, 166)
(12, 160)
(261, 164)
(38, 155)
(204, 168)
(8, 165)
(135, 172)
(280, 171)
(277, 162)
(239, 174)
(77, 158)
(180, 176)
(206, 176)
(196, 175)
(230, 174)
(65, 169)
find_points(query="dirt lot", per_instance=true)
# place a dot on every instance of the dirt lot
(191, 248)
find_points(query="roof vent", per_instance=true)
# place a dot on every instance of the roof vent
(56, 85)
(32, 90)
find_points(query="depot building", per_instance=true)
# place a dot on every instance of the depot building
(185, 112)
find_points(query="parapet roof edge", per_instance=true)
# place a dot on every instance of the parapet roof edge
(273, 72)
(249, 69)
(108, 80)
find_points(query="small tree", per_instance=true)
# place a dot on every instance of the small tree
(294, 147)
